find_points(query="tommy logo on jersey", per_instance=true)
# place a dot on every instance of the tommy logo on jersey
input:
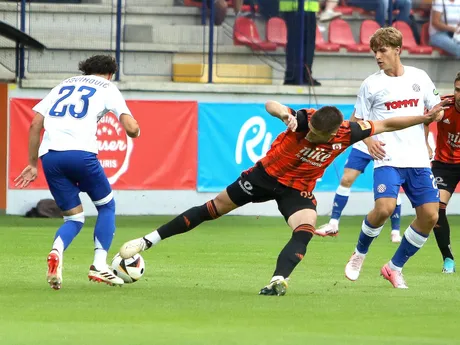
(403, 103)
(114, 146)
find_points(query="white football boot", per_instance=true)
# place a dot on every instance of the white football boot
(104, 275)
(133, 247)
(329, 229)
(354, 265)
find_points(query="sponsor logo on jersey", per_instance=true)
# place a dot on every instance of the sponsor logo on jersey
(402, 104)
(435, 92)
(453, 139)
(314, 155)
(114, 146)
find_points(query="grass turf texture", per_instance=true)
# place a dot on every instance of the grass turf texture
(201, 288)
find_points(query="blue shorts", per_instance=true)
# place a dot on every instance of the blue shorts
(70, 172)
(358, 160)
(418, 183)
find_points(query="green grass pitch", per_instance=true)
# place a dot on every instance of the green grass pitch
(201, 288)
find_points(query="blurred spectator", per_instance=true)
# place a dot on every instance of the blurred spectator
(328, 13)
(268, 8)
(381, 8)
(445, 26)
(289, 9)
(220, 9)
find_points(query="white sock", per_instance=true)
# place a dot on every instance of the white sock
(334, 221)
(59, 245)
(395, 231)
(100, 258)
(358, 253)
(275, 278)
(343, 191)
(393, 267)
(153, 237)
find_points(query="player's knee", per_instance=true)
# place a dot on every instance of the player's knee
(383, 212)
(431, 219)
(223, 204)
(78, 219)
(346, 182)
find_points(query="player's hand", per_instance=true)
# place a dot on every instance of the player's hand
(437, 112)
(28, 175)
(290, 121)
(376, 150)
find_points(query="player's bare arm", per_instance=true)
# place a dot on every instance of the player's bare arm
(401, 122)
(282, 112)
(130, 125)
(353, 118)
(430, 150)
(29, 174)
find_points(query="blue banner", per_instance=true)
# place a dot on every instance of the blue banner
(233, 136)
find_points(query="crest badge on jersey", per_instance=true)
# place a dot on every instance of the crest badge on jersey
(416, 87)
(114, 146)
(337, 146)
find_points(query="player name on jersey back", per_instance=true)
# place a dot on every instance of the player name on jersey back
(382, 97)
(72, 110)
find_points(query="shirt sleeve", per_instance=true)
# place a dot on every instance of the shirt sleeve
(116, 103)
(302, 120)
(43, 107)
(437, 6)
(360, 130)
(363, 102)
(431, 96)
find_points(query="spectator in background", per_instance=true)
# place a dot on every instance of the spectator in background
(220, 9)
(328, 13)
(289, 10)
(445, 26)
(381, 8)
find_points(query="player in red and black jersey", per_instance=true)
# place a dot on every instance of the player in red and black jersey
(446, 169)
(288, 173)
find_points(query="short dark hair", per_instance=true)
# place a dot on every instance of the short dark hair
(327, 119)
(457, 78)
(98, 64)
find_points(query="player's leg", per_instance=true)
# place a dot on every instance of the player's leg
(396, 222)
(244, 190)
(420, 188)
(299, 210)
(93, 181)
(447, 178)
(65, 193)
(356, 164)
(387, 182)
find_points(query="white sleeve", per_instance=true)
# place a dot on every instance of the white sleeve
(363, 102)
(431, 96)
(44, 106)
(115, 102)
(437, 6)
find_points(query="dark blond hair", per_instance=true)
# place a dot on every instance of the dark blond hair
(386, 37)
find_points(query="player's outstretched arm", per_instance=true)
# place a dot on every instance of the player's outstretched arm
(401, 122)
(130, 125)
(29, 173)
(283, 113)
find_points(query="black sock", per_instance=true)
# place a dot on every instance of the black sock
(442, 233)
(189, 220)
(294, 251)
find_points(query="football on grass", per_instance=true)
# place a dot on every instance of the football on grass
(130, 270)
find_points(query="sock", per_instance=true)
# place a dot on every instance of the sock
(442, 233)
(294, 251)
(366, 236)
(396, 217)
(340, 201)
(104, 232)
(68, 231)
(189, 220)
(411, 242)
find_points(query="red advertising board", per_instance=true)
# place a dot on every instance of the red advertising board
(163, 157)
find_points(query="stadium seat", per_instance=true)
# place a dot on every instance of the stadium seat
(368, 28)
(192, 3)
(340, 33)
(348, 10)
(276, 31)
(245, 33)
(409, 42)
(425, 39)
(323, 46)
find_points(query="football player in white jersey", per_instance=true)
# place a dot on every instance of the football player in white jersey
(68, 151)
(401, 158)
(355, 165)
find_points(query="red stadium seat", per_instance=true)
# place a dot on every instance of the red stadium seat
(368, 28)
(276, 31)
(323, 46)
(340, 33)
(245, 33)
(348, 10)
(192, 3)
(409, 40)
(425, 39)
